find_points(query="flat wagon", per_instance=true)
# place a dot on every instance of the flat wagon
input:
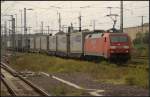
(76, 44)
(43, 43)
(32, 44)
(51, 45)
(62, 44)
(37, 43)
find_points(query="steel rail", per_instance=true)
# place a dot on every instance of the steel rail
(14, 73)
(10, 89)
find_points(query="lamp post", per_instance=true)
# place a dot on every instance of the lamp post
(59, 16)
(16, 33)
(21, 30)
(80, 19)
(25, 28)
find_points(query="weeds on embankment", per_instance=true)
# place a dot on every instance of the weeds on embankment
(131, 74)
(63, 90)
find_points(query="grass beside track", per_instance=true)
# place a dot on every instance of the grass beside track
(135, 72)
(63, 90)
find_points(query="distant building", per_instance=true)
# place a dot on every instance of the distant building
(132, 31)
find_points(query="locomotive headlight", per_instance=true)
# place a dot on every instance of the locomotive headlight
(126, 47)
(127, 51)
(112, 47)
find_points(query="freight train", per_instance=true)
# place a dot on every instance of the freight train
(107, 44)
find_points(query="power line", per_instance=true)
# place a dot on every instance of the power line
(38, 6)
(142, 22)
(121, 16)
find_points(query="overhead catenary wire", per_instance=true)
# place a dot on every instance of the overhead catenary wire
(30, 5)
(61, 8)
(66, 9)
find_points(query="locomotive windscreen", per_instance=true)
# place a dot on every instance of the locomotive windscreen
(118, 38)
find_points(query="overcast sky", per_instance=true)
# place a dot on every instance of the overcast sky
(97, 10)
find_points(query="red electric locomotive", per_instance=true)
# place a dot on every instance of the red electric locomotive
(109, 45)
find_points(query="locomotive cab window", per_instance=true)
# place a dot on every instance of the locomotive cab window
(90, 35)
(104, 39)
(119, 38)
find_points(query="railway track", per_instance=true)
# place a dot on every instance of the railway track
(17, 85)
(141, 57)
(4, 90)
